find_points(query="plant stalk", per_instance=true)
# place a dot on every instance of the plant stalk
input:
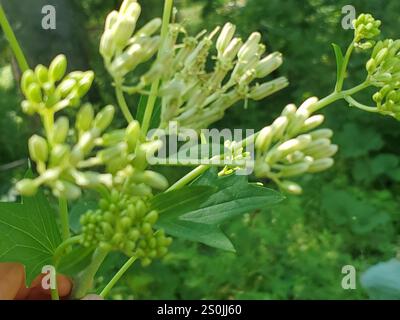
(10, 36)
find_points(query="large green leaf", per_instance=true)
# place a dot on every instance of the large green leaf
(28, 234)
(235, 196)
(196, 211)
(172, 205)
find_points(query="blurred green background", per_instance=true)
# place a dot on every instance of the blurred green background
(349, 215)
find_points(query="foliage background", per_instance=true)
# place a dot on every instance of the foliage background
(349, 215)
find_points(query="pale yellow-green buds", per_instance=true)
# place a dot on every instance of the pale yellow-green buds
(60, 130)
(291, 187)
(365, 28)
(266, 89)
(38, 149)
(225, 37)
(104, 118)
(250, 47)
(84, 118)
(42, 74)
(57, 68)
(269, 64)
(27, 187)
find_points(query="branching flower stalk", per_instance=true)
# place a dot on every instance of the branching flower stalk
(87, 155)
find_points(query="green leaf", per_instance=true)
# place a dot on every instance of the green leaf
(172, 205)
(75, 261)
(235, 196)
(28, 234)
(196, 211)
(156, 116)
(339, 61)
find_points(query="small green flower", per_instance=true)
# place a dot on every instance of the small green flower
(366, 28)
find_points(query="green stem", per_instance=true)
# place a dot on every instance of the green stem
(64, 218)
(151, 102)
(189, 177)
(85, 279)
(54, 293)
(58, 253)
(345, 64)
(122, 104)
(16, 48)
(354, 103)
(117, 276)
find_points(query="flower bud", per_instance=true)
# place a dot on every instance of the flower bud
(269, 64)
(126, 4)
(320, 165)
(295, 169)
(111, 19)
(112, 138)
(84, 118)
(321, 134)
(132, 134)
(279, 126)
(28, 107)
(85, 84)
(324, 152)
(38, 149)
(149, 28)
(225, 37)
(34, 93)
(67, 190)
(60, 131)
(104, 118)
(308, 106)
(313, 122)
(155, 180)
(59, 154)
(151, 217)
(57, 68)
(42, 74)
(293, 145)
(123, 30)
(107, 45)
(371, 66)
(28, 77)
(291, 187)
(381, 55)
(316, 145)
(266, 89)
(264, 139)
(250, 48)
(27, 187)
(232, 49)
(65, 87)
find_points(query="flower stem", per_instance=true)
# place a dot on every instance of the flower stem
(54, 293)
(64, 218)
(156, 84)
(123, 105)
(189, 177)
(16, 48)
(60, 250)
(85, 279)
(117, 276)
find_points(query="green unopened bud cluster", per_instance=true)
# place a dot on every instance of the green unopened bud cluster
(49, 90)
(125, 223)
(123, 49)
(366, 28)
(388, 101)
(292, 146)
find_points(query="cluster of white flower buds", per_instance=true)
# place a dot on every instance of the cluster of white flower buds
(196, 98)
(49, 90)
(292, 146)
(122, 48)
(365, 28)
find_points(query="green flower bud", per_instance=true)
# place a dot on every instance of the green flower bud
(145, 262)
(313, 122)
(232, 49)
(28, 77)
(38, 149)
(66, 87)
(112, 153)
(316, 145)
(155, 180)
(111, 20)
(67, 190)
(151, 217)
(107, 45)
(104, 118)
(84, 118)
(279, 126)
(291, 187)
(324, 152)
(123, 30)
(28, 107)
(250, 48)
(321, 134)
(149, 28)
(321, 165)
(60, 130)
(269, 64)
(371, 66)
(266, 89)
(146, 228)
(293, 145)
(57, 68)
(126, 223)
(27, 187)
(295, 169)
(134, 234)
(225, 37)
(132, 134)
(42, 74)
(85, 83)
(59, 154)
(34, 93)
(264, 139)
